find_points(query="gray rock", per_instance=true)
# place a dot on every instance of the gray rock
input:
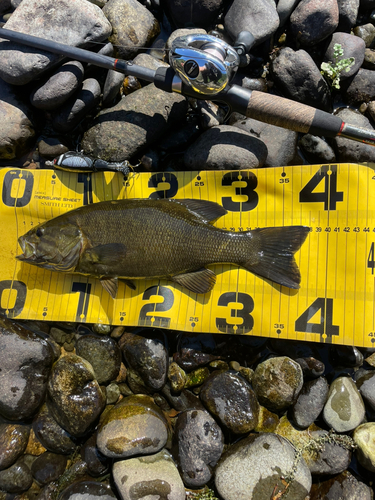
(259, 17)
(103, 354)
(52, 147)
(97, 463)
(284, 9)
(348, 12)
(369, 61)
(225, 148)
(352, 46)
(314, 20)
(59, 87)
(77, 107)
(367, 33)
(17, 130)
(17, 478)
(296, 73)
(154, 476)
(199, 443)
(87, 490)
(346, 355)
(361, 88)
(200, 13)
(366, 386)
(149, 62)
(142, 117)
(310, 402)
(135, 426)
(344, 409)
(342, 487)
(5, 5)
(230, 398)
(254, 467)
(20, 64)
(211, 114)
(277, 382)
(353, 151)
(182, 32)
(133, 26)
(51, 434)
(25, 361)
(316, 149)
(183, 401)
(76, 400)
(281, 143)
(13, 441)
(48, 467)
(111, 89)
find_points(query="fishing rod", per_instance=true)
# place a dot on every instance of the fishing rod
(202, 67)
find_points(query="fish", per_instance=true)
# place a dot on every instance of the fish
(172, 239)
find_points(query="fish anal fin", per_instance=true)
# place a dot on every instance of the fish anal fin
(201, 281)
(110, 285)
(274, 258)
(208, 210)
(129, 283)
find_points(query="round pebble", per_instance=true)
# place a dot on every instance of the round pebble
(103, 354)
(364, 438)
(13, 441)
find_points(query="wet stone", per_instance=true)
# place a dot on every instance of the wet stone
(230, 398)
(239, 474)
(13, 441)
(346, 355)
(197, 377)
(17, 478)
(277, 382)
(48, 467)
(76, 399)
(112, 393)
(135, 426)
(190, 359)
(314, 20)
(148, 358)
(199, 443)
(154, 476)
(344, 409)
(97, 463)
(52, 436)
(103, 354)
(366, 386)
(176, 377)
(364, 438)
(267, 421)
(185, 400)
(34, 446)
(25, 363)
(87, 490)
(342, 487)
(310, 402)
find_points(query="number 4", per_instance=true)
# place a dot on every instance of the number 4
(325, 326)
(371, 260)
(330, 196)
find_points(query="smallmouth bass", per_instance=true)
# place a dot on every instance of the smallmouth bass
(159, 239)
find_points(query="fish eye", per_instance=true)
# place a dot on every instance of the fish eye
(39, 232)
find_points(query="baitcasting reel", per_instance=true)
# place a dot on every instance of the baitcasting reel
(206, 63)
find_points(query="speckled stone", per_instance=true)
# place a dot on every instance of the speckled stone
(48, 467)
(176, 377)
(51, 434)
(364, 438)
(310, 402)
(230, 398)
(253, 468)
(13, 441)
(17, 478)
(342, 487)
(135, 426)
(366, 385)
(154, 476)
(277, 382)
(267, 421)
(97, 463)
(344, 409)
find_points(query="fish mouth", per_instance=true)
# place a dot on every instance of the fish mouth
(28, 250)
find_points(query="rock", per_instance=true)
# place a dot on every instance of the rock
(111, 89)
(225, 148)
(367, 33)
(148, 358)
(143, 117)
(361, 88)
(185, 400)
(48, 467)
(296, 73)
(25, 361)
(281, 143)
(13, 441)
(314, 20)
(342, 487)
(176, 377)
(97, 463)
(353, 151)
(76, 400)
(190, 359)
(310, 402)
(59, 87)
(352, 47)
(230, 398)
(195, 12)
(199, 443)
(346, 355)
(277, 382)
(255, 467)
(284, 9)
(211, 114)
(103, 354)
(90, 490)
(311, 367)
(267, 421)
(259, 17)
(133, 26)
(369, 60)
(366, 385)
(52, 147)
(197, 377)
(364, 438)
(316, 150)
(135, 426)
(152, 476)
(19, 64)
(348, 12)
(77, 107)
(18, 129)
(52, 436)
(344, 409)
(17, 478)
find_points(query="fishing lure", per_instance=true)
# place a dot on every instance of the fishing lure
(73, 161)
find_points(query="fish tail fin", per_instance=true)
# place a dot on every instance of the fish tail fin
(273, 257)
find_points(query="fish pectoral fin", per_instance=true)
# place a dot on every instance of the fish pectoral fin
(208, 210)
(201, 281)
(106, 254)
(110, 285)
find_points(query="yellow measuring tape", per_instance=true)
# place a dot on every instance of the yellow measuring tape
(336, 300)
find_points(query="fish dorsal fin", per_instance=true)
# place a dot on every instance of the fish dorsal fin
(208, 210)
(110, 285)
(201, 281)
